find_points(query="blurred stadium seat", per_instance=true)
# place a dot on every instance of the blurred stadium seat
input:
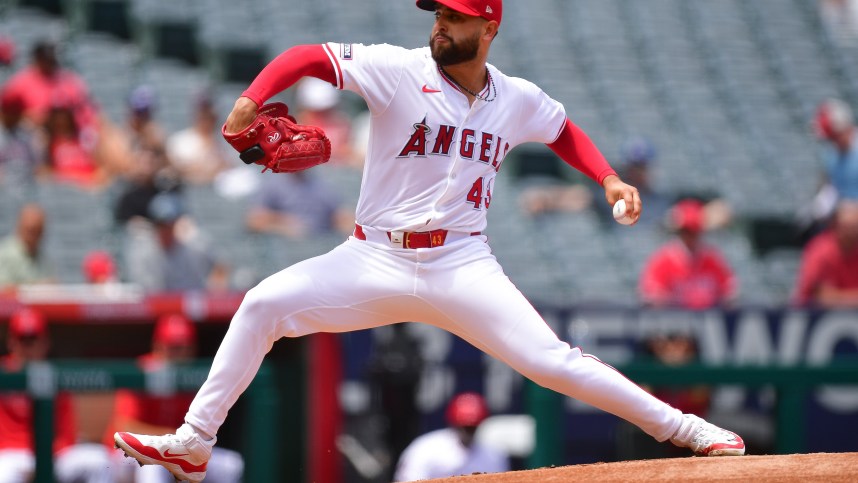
(724, 89)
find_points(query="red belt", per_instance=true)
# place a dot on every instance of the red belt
(413, 239)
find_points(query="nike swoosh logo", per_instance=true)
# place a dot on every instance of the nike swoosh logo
(427, 90)
(167, 454)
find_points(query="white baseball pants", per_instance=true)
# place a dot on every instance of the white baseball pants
(459, 287)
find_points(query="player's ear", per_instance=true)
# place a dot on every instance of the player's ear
(490, 30)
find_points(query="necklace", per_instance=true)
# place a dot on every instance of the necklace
(489, 97)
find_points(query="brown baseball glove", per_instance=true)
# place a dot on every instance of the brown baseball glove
(276, 141)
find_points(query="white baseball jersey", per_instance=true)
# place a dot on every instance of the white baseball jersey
(432, 158)
(440, 454)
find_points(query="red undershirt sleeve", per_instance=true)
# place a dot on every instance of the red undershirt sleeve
(287, 68)
(577, 150)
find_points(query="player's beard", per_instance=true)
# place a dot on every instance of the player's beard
(455, 52)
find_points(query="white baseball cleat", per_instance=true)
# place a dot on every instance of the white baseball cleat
(184, 454)
(706, 439)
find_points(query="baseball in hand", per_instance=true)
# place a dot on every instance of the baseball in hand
(620, 213)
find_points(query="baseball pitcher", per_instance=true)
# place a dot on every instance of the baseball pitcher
(443, 122)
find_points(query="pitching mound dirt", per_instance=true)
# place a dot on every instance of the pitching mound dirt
(828, 467)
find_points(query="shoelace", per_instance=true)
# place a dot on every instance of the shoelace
(172, 439)
(707, 434)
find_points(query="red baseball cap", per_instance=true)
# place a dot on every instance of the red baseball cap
(487, 9)
(833, 116)
(175, 329)
(27, 322)
(688, 215)
(98, 266)
(468, 409)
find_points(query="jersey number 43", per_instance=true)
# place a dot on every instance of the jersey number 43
(480, 195)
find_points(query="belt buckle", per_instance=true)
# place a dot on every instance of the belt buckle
(399, 239)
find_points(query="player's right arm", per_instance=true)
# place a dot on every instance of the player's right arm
(578, 150)
(280, 74)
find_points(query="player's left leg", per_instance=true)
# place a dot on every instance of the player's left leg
(481, 305)
(355, 286)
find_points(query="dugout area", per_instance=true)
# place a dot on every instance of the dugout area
(267, 425)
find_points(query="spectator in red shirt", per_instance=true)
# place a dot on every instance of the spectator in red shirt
(174, 341)
(70, 158)
(687, 272)
(828, 276)
(28, 341)
(44, 84)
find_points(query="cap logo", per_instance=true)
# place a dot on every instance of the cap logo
(489, 9)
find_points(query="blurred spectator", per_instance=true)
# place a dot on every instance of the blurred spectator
(21, 258)
(828, 276)
(141, 127)
(69, 158)
(638, 156)
(20, 161)
(452, 451)
(676, 348)
(546, 186)
(28, 341)
(840, 18)
(686, 272)
(119, 146)
(46, 88)
(174, 342)
(166, 259)
(297, 205)
(98, 267)
(198, 151)
(538, 198)
(833, 124)
(45, 84)
(150, 175)
(7, 51)
(318, 104)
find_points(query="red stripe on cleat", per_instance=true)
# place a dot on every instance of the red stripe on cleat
(151, 452)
